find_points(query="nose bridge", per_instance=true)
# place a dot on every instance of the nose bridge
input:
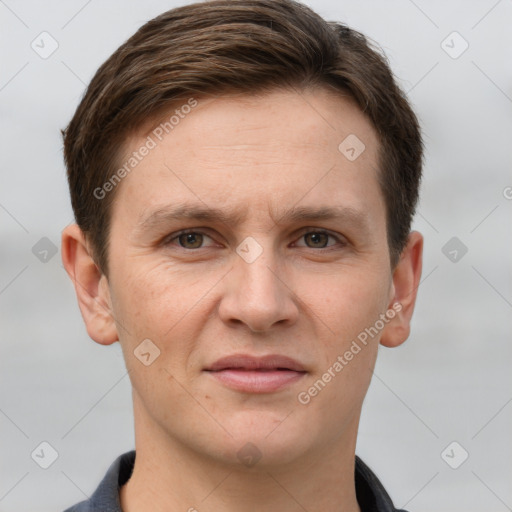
(257, 297)
(257, 281)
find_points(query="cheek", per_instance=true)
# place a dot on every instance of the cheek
(156, 303)
(345, 307)
(150, 297)
(349, 304)
(164, 304)
(345, 302)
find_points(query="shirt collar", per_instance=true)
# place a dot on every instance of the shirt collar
(370, 493)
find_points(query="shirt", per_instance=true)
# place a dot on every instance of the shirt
(371, 495)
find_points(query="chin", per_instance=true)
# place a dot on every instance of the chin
(264, 440)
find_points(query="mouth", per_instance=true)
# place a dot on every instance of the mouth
(250, 374)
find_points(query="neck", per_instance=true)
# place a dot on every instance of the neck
(169, 476)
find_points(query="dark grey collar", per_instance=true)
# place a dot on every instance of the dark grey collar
(371, 495)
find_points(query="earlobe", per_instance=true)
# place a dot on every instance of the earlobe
(91, 286)
(406, 279)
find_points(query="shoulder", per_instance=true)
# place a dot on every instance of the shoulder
(106, 496)
(371, 494)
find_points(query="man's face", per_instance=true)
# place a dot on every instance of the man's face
(258, 281)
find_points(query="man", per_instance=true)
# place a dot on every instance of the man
(243, 176)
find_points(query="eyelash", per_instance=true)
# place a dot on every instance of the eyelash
(175, 236)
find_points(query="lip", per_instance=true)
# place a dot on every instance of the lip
(251, 374)
(248, 362)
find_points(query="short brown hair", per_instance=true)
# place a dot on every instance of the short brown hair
(244, 46)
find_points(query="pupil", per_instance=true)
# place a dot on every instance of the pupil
(317, 238)
(191, 239)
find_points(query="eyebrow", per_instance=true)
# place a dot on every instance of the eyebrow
(162, 216)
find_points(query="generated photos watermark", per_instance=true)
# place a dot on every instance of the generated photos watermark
(304, 397)
(151, 142)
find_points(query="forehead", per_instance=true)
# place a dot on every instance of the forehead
(261, 151)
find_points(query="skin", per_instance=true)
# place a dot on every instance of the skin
(259, 156)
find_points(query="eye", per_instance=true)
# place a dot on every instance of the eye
(188, 239)
(319, 239)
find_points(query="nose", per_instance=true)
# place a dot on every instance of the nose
(258, 294)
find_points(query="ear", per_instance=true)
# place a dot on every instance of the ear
(91, 286)
(406, 279)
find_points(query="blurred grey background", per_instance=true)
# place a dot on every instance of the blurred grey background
(437, 420)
